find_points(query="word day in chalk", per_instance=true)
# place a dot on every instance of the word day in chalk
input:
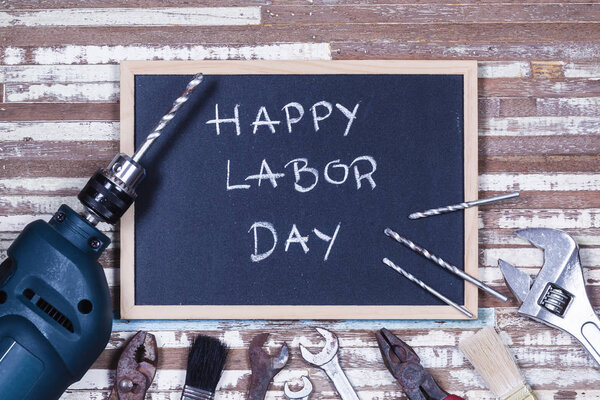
(295, 237)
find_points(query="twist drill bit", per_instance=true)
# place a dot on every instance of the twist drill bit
(157, 131)
(434, 292)
(425, 253)
(461, 206)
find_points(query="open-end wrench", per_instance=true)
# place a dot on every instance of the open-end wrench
(327, 360)
(302, 394)
(264, 367)
(557, 296)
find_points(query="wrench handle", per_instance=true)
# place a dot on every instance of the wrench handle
(590, 333)
(258, 387)
(340, 380)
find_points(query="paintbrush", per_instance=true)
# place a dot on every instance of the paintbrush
(496, 365)
(205, 366)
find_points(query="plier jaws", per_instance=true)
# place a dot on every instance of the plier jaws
(136, 368)
(405, 365)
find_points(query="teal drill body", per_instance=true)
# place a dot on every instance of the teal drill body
(55, 308)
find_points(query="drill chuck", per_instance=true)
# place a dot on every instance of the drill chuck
(110, 191)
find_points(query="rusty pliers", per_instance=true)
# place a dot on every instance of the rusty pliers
(405, 365)
(136, 368)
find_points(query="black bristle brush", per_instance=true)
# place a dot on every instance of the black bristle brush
(205, 366)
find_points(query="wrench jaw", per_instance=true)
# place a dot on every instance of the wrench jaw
(558, 295)
(301, 394)
(326, 354)
(327, 359)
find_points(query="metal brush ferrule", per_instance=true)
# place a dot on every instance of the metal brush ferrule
(192, 393)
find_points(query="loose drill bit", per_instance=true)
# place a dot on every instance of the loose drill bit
(461, 206)
(434, 292)
(425, 253)
(157, 131)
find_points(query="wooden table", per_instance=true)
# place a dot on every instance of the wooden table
(539, 100)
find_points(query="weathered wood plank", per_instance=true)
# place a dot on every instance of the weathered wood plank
(424, 49)
(574, 87)
(429, 13)
(59, 111)
(489, 35)
(538, 126)
(540, 163)
(457, 379)
(60, 92)
(58, 4)
(550, 218)
(102, 54)
(554, 107)
(160, 16)
(540, 145)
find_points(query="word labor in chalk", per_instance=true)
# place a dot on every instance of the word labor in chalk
(306, 178)
(291, 114)
(295, 238)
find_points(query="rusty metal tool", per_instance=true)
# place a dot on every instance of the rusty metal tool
(136, 368)
(302, 394)
(264, 367)
(405, 365)
(557, 296)
(327, 359)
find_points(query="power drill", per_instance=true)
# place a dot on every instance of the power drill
(55, 307)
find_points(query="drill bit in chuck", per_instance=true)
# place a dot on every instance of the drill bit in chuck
(110, 191)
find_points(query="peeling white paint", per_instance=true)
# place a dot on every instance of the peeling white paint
(42, 184)
(62, 92)
(550, 218)
(59, 73)
(532, 257)
(582, 70)
(539, 126)
(60, 131)
(73, 54)
(541, 182)
(14, 55)
(503, 69)
(186, 16)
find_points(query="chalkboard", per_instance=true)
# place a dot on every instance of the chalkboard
(268, 194)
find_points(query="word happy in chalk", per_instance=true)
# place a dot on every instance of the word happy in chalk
(290, 114)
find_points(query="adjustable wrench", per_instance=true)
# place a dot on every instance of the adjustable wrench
(557, 296)
(327, 360)
(302, 394)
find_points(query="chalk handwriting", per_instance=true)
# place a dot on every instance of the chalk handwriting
(218, 121)
(364, 168)
(295, 237)
(256, 257)
(293, 112)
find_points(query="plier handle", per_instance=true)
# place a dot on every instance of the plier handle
(402, 361)
(136, 368)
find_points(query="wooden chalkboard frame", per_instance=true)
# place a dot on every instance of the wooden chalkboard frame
(129, 69)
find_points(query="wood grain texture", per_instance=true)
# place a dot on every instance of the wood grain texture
(538, 132)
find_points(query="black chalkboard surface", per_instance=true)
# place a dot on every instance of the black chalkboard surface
(268, 194)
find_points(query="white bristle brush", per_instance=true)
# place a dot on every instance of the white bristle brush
(496, 365)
